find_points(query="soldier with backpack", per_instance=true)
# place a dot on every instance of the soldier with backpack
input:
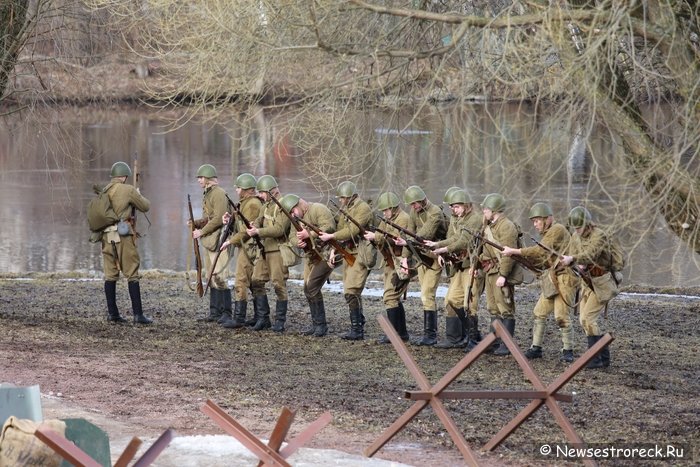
(119, 252)
(592, 251)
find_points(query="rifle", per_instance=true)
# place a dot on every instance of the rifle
(523, 262)
(248, 225)
(309, 249)
(452, 258)
(386, 254)
(197, 257)
(349, 257)
(224, 235)
(584, 275)
(478, 248)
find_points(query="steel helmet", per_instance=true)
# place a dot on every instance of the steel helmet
(245, 181)
(387, 200)
(120, 169)
(457, 197)
(540, 210)
(447, 193)
(206, 171)
(289, 201)
(579, 217)
(495, 202)
(266, 183)
(413, 194)
(346, 190)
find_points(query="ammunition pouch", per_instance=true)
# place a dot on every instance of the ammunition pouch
(604, 287)
(291, 256)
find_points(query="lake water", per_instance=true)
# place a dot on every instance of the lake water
(49, 162)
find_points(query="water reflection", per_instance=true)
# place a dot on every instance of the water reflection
(48, 164)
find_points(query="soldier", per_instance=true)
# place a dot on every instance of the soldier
(394, 287)
(119, 252)
(502, 272)
(272, 226)
(248, 253)
(208, 229)
(459, 328)
(316, 268)
(558, 291)
(430, 225)
(348, 234)
(590, 250)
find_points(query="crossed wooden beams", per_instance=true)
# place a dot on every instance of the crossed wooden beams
(269, 454)
(79, 458)
(434, 395)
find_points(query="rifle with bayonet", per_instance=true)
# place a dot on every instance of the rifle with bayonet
(523, 261)
(227, 230)
(197, 256)
(309, 249)
(386, 254)
(349, 257)
(237, 211)
(418, 243)
(584, 275)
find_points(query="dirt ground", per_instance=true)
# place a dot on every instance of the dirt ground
(53, 332)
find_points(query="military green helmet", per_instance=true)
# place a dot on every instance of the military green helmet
(206, 171)
(346, 190)
(413, 194)
(120, 169)
(266, 183)
(579, 217)
(447, 193)
(245, 181)
(495, 202)
(289, 201)
(540, 210)
(387, 200)
(457, 197)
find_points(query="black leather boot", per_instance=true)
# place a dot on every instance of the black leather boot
(429, 328)
(136, 307)
(112, 310)
(263, 315)
(502, 349)
(357, 328)
(320, 325)
(394, 317)
(597, 361)
(309, 330)
(238, 318)
(214, 306)
(473, 334)
(280, 315)
(453, 334)
(401, 328)
(225, 303)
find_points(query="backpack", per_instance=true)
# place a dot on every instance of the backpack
(100, 214)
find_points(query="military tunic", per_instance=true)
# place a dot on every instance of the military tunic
(429, 226)
(214, 206)
(391, 296)
(355, 276)
(316, 271)
(273, 227)
(123, 198)
(248, 256)
(499, 300)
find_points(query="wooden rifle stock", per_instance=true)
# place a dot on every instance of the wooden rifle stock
(224, 235)
(349, 257)
(309, 248)
(197, 256)
(248, 225)
(524, 262)
(386, 254)
(584, 275)
(475, 267)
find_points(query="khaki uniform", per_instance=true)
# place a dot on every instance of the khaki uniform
(429, 226)
(214, 206)
(592, 251)
(355, 276)
(391, 296)
(316, 271)
(273, 227)
(500, 300)
(123, 198)
(556, 237)
(248, 255)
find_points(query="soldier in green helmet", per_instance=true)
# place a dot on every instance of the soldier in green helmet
(394, 287)
(272, 226)
(460, 327)
(502, 272)
(247, 258)
(558, 290)
(355, 276)
(316, 269)
(430, 225)
(208, 229)
(591, 251)
(119, 251)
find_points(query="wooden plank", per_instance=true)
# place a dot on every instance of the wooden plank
(309, 432)
(156, 448)
(284, 422)
(65, 448)
(495, 394)
(129, 452)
